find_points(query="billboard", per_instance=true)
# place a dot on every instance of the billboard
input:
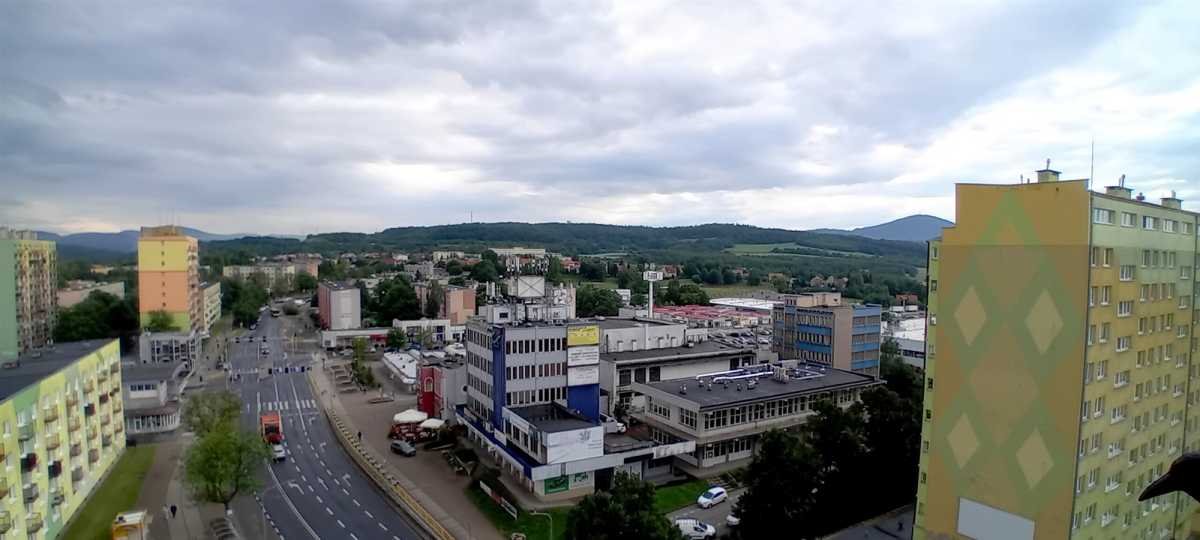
(575, 444)
(652, 275)
(583, 335)
(583, 356)
(581, 375)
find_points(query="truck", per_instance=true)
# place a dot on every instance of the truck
(272, 433)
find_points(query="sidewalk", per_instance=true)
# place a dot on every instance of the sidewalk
(426, 477)
(895, 525)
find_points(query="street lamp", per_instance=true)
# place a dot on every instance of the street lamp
(549, 517)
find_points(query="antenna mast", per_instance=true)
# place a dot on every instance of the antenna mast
(1092, 167)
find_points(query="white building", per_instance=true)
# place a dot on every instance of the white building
(212, 304)
(150, 393)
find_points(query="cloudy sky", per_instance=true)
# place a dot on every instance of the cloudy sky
(290, 117)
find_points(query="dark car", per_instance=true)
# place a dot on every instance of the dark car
(403, 448)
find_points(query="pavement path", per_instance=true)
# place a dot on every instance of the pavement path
(318, 491)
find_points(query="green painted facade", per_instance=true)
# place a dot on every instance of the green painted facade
(8, 299)
(50, 420)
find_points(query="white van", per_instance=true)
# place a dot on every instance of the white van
(694, 529)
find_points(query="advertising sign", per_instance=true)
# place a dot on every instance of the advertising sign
(652, 275)
(581, 375)
(574, 445)
(583, 335)
(557, 484)
(583, 356)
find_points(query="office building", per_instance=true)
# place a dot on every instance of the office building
(61, 414)
(78, 291)
(211, 295)
(151, 395)
(169, 347)
(724, 412)
(169, 277)
(620, 370)
(339, 306)
(1058, 364)
(454, 303)
(819, 328)
(533, 404)
(28, 303)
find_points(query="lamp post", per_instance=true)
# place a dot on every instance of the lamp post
(549, 517)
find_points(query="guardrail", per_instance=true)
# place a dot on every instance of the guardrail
(367, 461)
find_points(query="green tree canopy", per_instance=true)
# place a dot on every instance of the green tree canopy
(781, 481)
(625, 512)
(397, 339)
(208, 411)
(100, 315)
(454, 267)
(690, 293)
(223, 463)
(485, 271)
(160, 321)
(591, 301)
(395, 299)
(433, 300)
(305, 282)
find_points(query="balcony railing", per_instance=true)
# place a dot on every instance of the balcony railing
(119, 427)
(25, 432)
(106, 440)
(56, 496)
(116, 406)
(93, 455)
(30, 492)
(73, 423)
(50, 414)
(76, 449)
(102, 376)
(3, 488)
(5, 522)
(114, 368)
(52, 441)
(72, 399)
(91, 433)
(33, 522)
(88, 386)
(105, 419)
(77, 474)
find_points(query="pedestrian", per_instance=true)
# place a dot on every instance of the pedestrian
(360, 436)
(173, 510)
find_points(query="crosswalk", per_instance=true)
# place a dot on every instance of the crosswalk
(287, 405)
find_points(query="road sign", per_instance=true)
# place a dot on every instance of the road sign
(652, 275)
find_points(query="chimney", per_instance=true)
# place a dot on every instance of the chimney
(1047, 174)
(1172, 201)
(1119, 190)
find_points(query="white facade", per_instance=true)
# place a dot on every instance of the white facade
(345, 310)
(212, 305)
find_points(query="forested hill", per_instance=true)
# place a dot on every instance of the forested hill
(578, 238)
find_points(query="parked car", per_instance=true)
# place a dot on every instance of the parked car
(713, 496)
(237, 339)
(732, 520)
(403, 448)
(278, 453)
(694, 529)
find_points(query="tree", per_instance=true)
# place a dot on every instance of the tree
(485, 271)
(781, 285)
(591, 301)
(836, 437)
(626, 279)
(395, 299)
(592, 270)
(712, 277)
(454, 267)
(623, 513)
(397, 339)
(781, 483)
(729, 277)
(490, 256)
(754, 278)
(672, 294)
(206, 412)
(100, 315)
(223, 463)
(433, 300)
(305, 282)
(554, 270)
(690, 293)
(160, 321)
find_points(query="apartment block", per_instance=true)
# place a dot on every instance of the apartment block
(1058, 364)
(211, 300)
(339, 306)
(819, 328)
(169, 277)
(61, 419)
(28, 299)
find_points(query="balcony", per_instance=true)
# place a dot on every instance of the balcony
(76, 449)
(119, 427)
(73, 424)
(55, 469)
(93, 455)
(72, 399)
(30, 492)
(3, 488)
(89, 386)
(91, 433)
(102, 376)
(5, 522)
(89, 409)
(28, 462)
(33, 522)
(52, 441)
(103, 399)
(1106, 519)
(106, 441)
(25, 432)
(116, 406)
(105, 420)
(50, 414)
(77, 474)
(114, 368)
(56, 496)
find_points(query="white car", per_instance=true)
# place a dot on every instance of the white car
(713, 496)
(732, 520)
(278, 453)
(694, 529)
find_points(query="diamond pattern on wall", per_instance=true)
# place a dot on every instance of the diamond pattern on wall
(963, 441)
(1002, 378)
(1044, 322)
(1034, 459)
(970, 315)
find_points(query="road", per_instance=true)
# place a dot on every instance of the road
(714, 515)
(318, 492)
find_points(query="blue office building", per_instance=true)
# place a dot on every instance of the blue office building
(818, 328)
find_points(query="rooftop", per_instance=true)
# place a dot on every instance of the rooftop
(32, 367)
(338, 285)
(136, 371)
(746, 303)
(616, 324)
(551, 418)
(704, 348)
(819, 379)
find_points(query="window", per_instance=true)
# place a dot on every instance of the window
(1123, 343)
(933, 285)
(1187, 228)
(1102, 369)
(1091, 334)
(1143, 292)
(687, 418)
(1108, 257)
(1093, 256)
(1102, 215)
(1128, 219)
(1170, 259)
(1147, 258)
(1086, 413)
(1092, 293)
(1168, 225)
(1099, 408)
(1105, 330)
(1127, 272)
(1149, 223)
(1121, 379)
(1185, 272)
(1105, 295)
(1142, 326)
(1124, 308)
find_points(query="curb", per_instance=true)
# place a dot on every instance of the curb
(374, 469)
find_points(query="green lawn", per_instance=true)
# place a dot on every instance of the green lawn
(534, 527)
(671, 498)
(610, 283)
(758, 249)
(119, 493)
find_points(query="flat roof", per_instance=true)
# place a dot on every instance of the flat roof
(551, 418)
(766, 388)
(746, 303)
(157, 371)
(30, 369)
(704, 348)
(615, 324)
(338, 285)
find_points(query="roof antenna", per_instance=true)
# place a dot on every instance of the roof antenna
(1121, 182)
(1047, 163)
(1092, 167)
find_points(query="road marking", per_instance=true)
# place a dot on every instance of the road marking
(355, 502)
(322, 483)
(353, 537)
(323, 463)
(344, 491)
(329, 472)
(382, 527)
(368, 514)
(328, 510)
(319, 501)
(343, 525)
(310, 488)
(287, 498)
(302, 477)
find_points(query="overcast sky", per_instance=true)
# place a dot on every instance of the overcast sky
(285, 117)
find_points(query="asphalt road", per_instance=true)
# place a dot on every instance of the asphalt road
(318, 492)
(714, 515)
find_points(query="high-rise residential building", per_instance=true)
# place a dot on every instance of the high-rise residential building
(61, 411)
(339, 305)
(818, 328)
(169, 277)
(212, 304)
(1058, 364)
(28, 292)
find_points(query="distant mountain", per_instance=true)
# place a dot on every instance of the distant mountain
(126, 241)
(917, 228)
